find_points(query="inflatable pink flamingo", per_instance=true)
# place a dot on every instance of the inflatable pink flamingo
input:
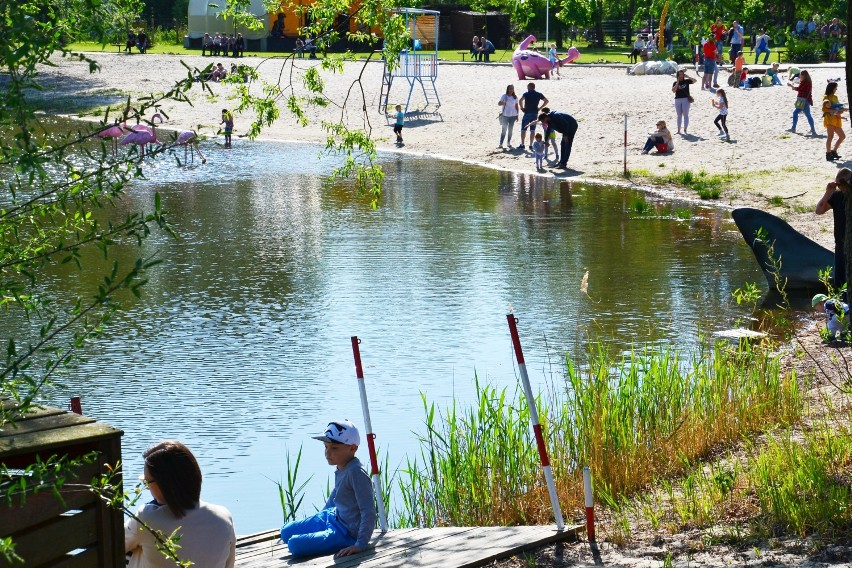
(141, 135)
(533, 65)
(189, 140)
(113, 133)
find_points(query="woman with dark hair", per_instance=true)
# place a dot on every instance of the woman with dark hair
(832, 109)
(683, 99)
(206, 531)
(804, 100)
(508, 115)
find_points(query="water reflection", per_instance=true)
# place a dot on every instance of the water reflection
(240, 344)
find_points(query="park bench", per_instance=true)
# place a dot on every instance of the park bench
(463, 53)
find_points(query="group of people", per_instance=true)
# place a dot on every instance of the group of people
(642, 48)
(533, 105)
(221, 44)
(832, 31)
(481, 49)
(832, 108)
(303, 45)
(139, 40)
(205, 532)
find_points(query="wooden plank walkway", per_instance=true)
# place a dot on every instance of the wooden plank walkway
(446, 547)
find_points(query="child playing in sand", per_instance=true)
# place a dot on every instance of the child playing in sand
(346, 523)
(721, 103)
(539, 147)
(836, 313)
(739, 62)
(400, 122)
(773, 73)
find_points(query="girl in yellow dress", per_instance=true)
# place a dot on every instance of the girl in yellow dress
(831, 119)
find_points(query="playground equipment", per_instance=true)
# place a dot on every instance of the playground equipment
(533, 65)
(418, 65)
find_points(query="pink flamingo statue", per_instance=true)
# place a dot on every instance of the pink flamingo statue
(113, 133)
(141, 135)
(189, 140)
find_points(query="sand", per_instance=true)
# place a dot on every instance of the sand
(773, 162)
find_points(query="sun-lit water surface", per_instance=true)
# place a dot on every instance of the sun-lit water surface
(240, 345)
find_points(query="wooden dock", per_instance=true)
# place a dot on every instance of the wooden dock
(444, 547)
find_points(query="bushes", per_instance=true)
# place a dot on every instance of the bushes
(810, 50)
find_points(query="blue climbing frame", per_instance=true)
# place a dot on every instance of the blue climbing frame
(418, 65)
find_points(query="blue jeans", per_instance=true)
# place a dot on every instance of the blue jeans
(318, 535)
(757, 53)
(807, 111)
(507, 124)
(651, 142)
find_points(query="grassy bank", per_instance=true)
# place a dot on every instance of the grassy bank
(633, 420)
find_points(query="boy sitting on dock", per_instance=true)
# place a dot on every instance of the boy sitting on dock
(346, 523)
(836, 314)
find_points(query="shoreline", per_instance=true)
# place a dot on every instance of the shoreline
(770, 169)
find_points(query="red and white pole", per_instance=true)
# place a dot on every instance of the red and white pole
(590, 503)
(539, 439)
(371, 438)
(625, 144)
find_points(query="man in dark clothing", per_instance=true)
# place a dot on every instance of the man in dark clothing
(487, 49)
(531, 104)
(835, 199)
(566, 125)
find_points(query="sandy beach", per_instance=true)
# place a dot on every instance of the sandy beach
(773, 162)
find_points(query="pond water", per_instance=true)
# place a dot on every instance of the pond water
(240, 345)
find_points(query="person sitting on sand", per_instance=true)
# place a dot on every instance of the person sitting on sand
(773, 73)
(661, 138)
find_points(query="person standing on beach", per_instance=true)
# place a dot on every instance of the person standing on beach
(721, 122)
(508, 115)
(709, 48)
(737, 33)
(718, 30)
(566, 125)
(834, 198)
(682, 98)
(228, 121)
(804, 100)
(531, 104)
(831, 119)
(400, 122)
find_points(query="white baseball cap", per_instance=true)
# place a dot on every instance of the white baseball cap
(340, 432)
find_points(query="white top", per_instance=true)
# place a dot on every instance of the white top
(639, 43)
(207, 536)
(510, 107)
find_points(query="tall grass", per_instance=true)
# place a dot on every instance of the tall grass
(806, 487)
(638, 419)
(632, 419)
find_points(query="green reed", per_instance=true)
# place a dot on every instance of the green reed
(631, 419)
(806, 487)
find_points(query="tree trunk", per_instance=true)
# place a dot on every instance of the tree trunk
(628, 32)
(597, 22)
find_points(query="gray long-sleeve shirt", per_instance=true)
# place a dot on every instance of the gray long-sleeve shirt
(353, 497)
